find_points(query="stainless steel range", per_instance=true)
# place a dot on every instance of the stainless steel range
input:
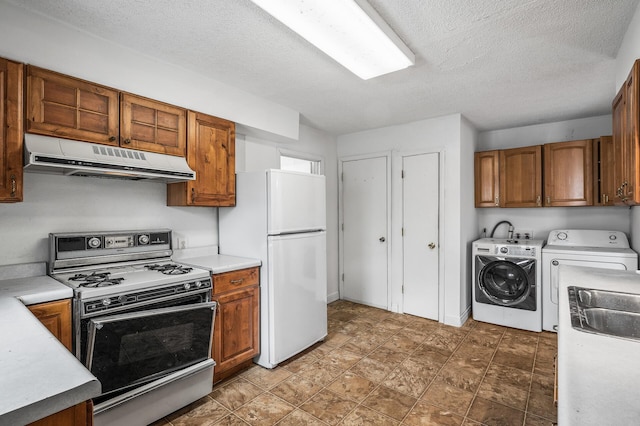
(142, 323)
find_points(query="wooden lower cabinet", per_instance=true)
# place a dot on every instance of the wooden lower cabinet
(56, 317)
(80, 414)
(236, 334)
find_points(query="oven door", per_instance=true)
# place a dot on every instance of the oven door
(132, 349)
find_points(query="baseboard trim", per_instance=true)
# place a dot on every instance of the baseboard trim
(333, 297)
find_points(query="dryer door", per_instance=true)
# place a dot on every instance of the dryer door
(508, 282)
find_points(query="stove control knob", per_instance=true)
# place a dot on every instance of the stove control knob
(122, 298)
(94, 242)
(143, 239)
(187, 286)
(198, 284)
(106, 302)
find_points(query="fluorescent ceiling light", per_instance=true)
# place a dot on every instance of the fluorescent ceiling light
(350, 31)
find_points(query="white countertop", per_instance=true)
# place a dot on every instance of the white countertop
(38, 375)
(206, 258)
(598, 376)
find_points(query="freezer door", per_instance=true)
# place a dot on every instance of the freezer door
(296, 202)
(297, 293)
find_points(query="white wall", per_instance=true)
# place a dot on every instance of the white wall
(68, 204)
(253, 154)
(543, 220)
(628, 53)
(469, 219)
(441, 135)
(38, 40)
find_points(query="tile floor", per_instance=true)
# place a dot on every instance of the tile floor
(381, 368)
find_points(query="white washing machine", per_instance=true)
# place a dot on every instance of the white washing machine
(506, 287)
(580, 247)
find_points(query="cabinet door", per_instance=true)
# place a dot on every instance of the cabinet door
(568, 173)
(211, 153)
(619, 129)
(236, 336)
(487, 179)
(67, 107)
(603, 171)
(521, 177)
(56, 316)
(630, 140)
(11, 132)
(152, 126)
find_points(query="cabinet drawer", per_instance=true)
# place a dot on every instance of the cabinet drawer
(234, 280)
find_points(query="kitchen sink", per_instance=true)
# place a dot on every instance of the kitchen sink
(605, 312)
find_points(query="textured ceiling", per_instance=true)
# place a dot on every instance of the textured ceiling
(501, 63)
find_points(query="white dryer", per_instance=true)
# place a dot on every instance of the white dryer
(506, 282)
(580, 247)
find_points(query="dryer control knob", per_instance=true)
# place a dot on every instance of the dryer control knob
(612, 237)
(504, 250)
(562, 235)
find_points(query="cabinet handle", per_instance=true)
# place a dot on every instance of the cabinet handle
(497, 201)
(112, 138)
(14, 186)
(127, 141)
(538, 200)
(236, 281)
(548, 200)
(193, 195)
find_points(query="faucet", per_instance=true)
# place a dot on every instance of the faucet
(510, 232)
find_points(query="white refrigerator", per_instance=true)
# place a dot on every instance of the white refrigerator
(280, 218)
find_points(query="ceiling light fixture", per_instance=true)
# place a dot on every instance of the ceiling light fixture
(350, 31)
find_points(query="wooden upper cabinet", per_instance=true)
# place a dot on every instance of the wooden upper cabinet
(603, 171)
(67, 107)
(11, 130)
(211, 153)
(153, 126)
(626, 137)
(568, 173)
(521, 177)
(487, 179)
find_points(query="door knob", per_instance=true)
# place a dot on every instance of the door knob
(432, 246)
(383, 239)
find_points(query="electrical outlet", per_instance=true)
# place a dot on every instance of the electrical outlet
(181, 243)
(523, 234)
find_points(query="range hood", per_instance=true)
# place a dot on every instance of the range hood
(47, 154)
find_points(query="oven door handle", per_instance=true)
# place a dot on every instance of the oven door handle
(151, 312)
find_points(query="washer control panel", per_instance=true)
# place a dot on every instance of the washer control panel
(587, 238)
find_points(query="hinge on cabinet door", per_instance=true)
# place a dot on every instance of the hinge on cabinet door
(403, 174)
(342, 277)
(403, 231)
(342, 226)
(402, 288)
(342, 176)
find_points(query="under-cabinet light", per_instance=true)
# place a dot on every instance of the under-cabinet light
(349, 31)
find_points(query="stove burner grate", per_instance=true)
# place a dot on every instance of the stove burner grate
(170, 269)
(95, 279)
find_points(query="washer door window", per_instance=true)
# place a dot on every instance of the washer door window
(507, 282)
